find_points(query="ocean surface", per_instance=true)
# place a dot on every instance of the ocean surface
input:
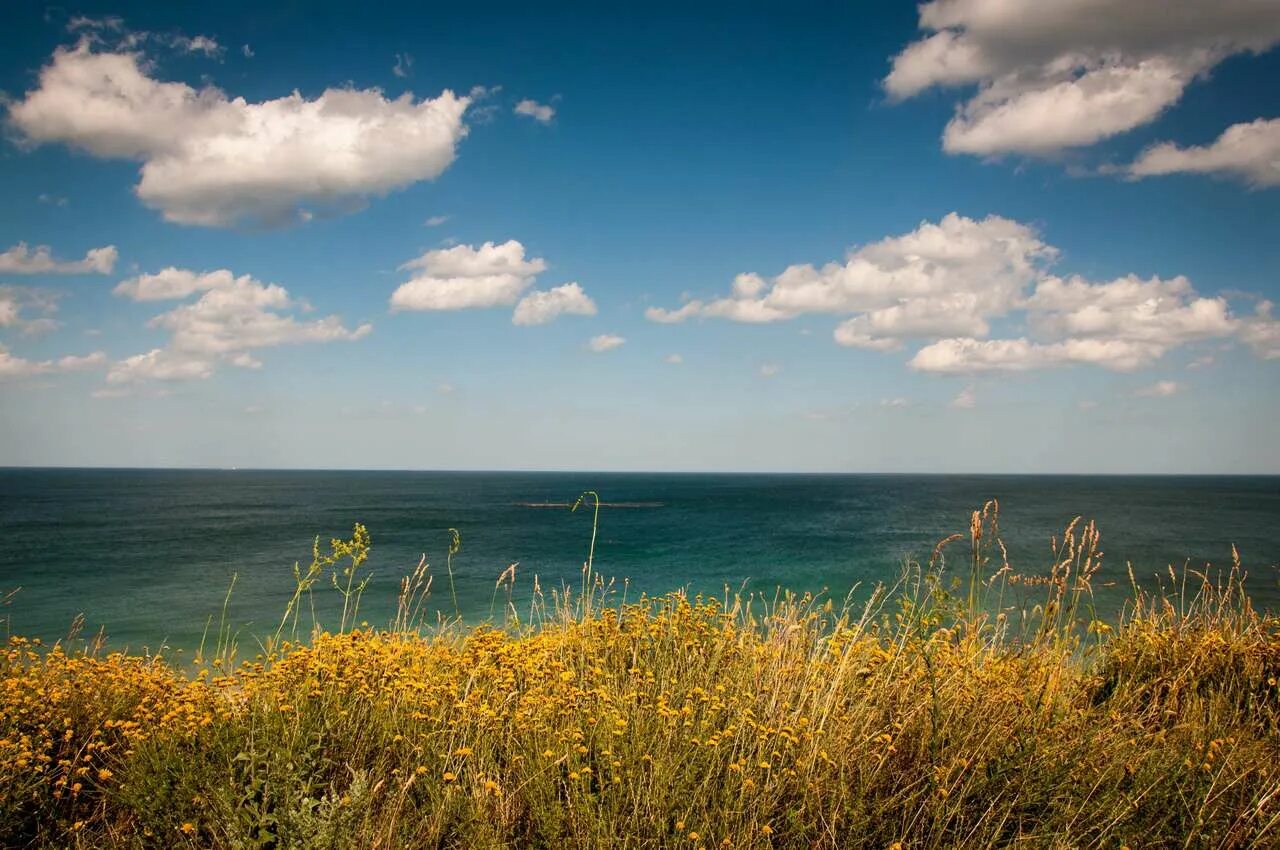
(149, 554)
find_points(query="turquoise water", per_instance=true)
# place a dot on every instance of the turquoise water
(149, 553)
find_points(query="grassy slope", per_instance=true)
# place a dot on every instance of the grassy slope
(937, 715)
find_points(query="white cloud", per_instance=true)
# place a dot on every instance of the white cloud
(232, 318)
(537, 111)
(1073, 112)
(1162, 389)
(197, 44)
(52, 200)
(247, 51)
(436, 220)
(1161, 312)
(946, 283)
(1123, 325)
(768, 370)
(944, 315)
(17, 302)
(12, 367)
(1261, 332)
(966, 399)
(539, 307)
(246, 315)
(673, 359)
(605, 342)
(112, 23)
(20, 259)
(894, 402)
(964, 356)
(403, 66)
(465, 277)
(1054, 74)
(672, 317)
(1249, 152)
(214, 160)
(159, 364)
(170, 283)
(939, 279)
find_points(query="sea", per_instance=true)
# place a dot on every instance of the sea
(148, 556)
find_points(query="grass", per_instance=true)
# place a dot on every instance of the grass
(991, 709)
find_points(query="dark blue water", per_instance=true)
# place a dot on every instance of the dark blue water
(149, 553)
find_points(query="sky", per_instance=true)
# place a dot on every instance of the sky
(1011, 236)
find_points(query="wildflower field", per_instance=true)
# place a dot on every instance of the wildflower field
(962, 707)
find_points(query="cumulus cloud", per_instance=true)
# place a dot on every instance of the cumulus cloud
(171, 283)
(1122, 325)
(538, 308)
(768, 370)
(159, 364)
(1161, 312)
(465, 277)
(436, 220)
(17, 303)
(1261, 332)
(605, 342)
(939, 279)
(945, 284)
(673, 359)
(1249, 152)
(13, 367)
(21, 259)
(1055, 74)
(215, 160)
(965, 356)
(234, 317)
(540, 112)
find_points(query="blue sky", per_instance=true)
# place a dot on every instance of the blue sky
(972, 236)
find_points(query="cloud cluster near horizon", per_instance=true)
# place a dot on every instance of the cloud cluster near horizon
(234, 317)
(945, 284)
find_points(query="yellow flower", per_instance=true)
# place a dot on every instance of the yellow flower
(188, 828)
(462, 751)
(693, 836)
(449, 776)
(768, 830)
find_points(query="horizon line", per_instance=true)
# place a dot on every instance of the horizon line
(537, 471)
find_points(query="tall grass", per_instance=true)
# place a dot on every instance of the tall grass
(977, 707)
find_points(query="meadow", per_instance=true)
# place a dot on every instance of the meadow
(970, 704)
